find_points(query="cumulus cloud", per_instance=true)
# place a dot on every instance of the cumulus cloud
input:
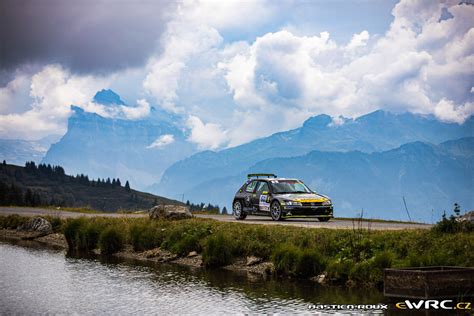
(422, 64)
(233, 88)
(52, 91)
(205, 135)
(162, 141)
(39, 104)
(358, 40)
(447, 111)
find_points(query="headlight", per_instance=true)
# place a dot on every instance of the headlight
(327, 202)
(293, 203)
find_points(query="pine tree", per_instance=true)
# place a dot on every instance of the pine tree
(127, 186)
(224, 211)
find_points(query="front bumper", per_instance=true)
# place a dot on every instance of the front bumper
(308, 211)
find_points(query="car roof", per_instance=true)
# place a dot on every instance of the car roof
(275, 179)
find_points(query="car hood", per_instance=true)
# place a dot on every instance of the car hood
(303, 197)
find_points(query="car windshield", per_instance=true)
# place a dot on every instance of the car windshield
(288, 186)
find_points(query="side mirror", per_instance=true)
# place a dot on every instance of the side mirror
(264, 192)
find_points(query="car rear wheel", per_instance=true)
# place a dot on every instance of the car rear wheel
(238, 211)
(323, 219)
(275, 210)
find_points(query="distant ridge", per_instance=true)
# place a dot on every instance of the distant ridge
(47, 185)
(431, 178)
(373, 132)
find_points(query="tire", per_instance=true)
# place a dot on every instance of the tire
(323, 219)
(275, 211)
(237, 209)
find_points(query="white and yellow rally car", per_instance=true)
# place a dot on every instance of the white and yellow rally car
(265, 194)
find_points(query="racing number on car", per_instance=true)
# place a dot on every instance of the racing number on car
(263, 204)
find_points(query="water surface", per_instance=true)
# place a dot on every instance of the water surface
(38, 281)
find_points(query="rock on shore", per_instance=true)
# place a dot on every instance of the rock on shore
(37, 224)
(169, 212)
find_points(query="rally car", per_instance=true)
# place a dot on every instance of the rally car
(280, 198)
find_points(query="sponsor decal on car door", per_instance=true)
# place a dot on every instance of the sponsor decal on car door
(263, 203)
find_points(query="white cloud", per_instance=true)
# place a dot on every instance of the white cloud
(162, 141)
(12, 96)
(447, 111)
(52, 91)
(140, 111)
(282, 77)
(243, 90)
(205, 135)
(39, 104)
(358, 40)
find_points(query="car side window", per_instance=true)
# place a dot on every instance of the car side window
(250, 187)
(262, 186)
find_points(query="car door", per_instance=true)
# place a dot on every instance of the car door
(260, 198)
(250, 193)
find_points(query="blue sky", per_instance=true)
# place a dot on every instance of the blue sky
(233, 71)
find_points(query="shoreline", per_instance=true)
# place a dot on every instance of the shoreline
(57, 241)
(329, 257)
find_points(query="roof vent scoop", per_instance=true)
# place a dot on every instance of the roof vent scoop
(257, 175)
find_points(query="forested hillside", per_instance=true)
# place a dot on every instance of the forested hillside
(46, 185)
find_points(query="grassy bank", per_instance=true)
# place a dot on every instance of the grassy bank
(346, 256)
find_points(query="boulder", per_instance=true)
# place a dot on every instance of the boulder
(169, 212)
(252, 260)
(321, 279)
(37, 224)
(192, 254)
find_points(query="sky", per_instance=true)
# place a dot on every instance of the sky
(233, 71)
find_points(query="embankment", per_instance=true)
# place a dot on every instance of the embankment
(345, 256)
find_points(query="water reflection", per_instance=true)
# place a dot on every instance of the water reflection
(41, 281)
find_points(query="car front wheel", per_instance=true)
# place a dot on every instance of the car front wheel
(238, 212)
(275, 210)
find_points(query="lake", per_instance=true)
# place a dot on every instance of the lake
(35, 280)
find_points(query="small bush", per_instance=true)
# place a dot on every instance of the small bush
(340, 270)
(451, 225)
(71, 232)
(186, 237)
(12, 221)
(360, 272)
(56, 223)
(290, 260)
(145, 236)
(218, 251)
(111, 240)
(383, 260)
(88, 236)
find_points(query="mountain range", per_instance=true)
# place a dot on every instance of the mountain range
(135, 150)
(18, 151)
(370, 162)
(216, 175)
(430, 177)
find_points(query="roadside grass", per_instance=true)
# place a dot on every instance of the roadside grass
(377, 220)
(84, 210)
(353, 256)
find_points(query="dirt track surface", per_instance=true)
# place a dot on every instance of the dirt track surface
(305, 222)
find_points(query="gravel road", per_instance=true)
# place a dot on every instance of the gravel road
(306, 222)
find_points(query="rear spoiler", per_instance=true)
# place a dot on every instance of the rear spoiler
(257, 175)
